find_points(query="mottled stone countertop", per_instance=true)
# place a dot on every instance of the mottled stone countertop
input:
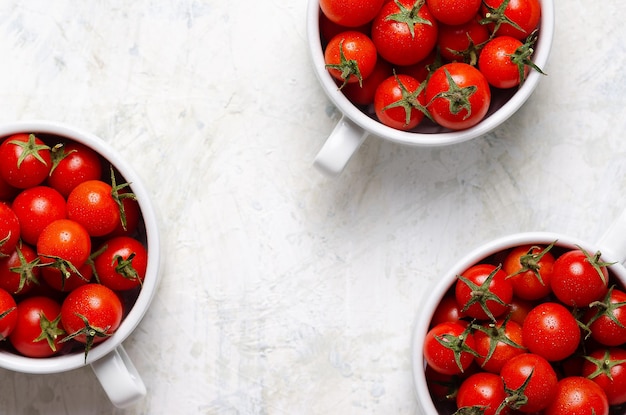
(285, 291)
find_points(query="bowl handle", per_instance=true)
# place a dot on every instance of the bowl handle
(340, 146)
(119, 378)
(613, 242)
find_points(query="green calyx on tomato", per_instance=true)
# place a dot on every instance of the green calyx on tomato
(516, 398)
(457, 96)
(409, 16)
(497, 16)
(457, 345)
(481, 293)
(4, 241)
(605, 308)
(522, 55)
(596, 263)
(604, 365)
(50, 331)
(496, 334)
(64, 266)
(409, 100)
(347, 67)
(530, 262)
(119, 196)
(90, 332)
(30, 148)
(26, 270)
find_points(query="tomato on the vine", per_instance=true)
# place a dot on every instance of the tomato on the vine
(458, 96)
(350, 57)
(483, 292)
(38, 331)
(578, 278)
(399, 102)
(404, 31)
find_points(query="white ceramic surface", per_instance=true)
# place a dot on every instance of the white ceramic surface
(355, 125)
(114, 369)
(612, 245)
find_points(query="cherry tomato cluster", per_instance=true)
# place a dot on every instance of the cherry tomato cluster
(535, 329)
(72, 260)
(407, 62)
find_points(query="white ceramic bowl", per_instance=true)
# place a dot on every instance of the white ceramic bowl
(612, 246)
(108, 359)
(355, 125)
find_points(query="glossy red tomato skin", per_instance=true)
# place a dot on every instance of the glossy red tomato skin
(9, 230)
(389, 92)
(503, 352)
(483, 389)
(28, 327)
(464, 76)
(551, 331)
(132, 212)
(66, 239)
(30, 171)
(543, 380)
(350, 13)
(454, 12)
(11, 280)
(394, 40)
(36, 208)
(7, 192)
(526, 285)
(575, 282)
(496, 64)
(498, 286)
(448, 310)
(106, 262)
(454, 41)
(357, 47)
(441, 358)
(91, 204)
(98, 304)
(525, 13)
(576, 395)
(9, 321)
(604, 329)
(608, 370)
(364, 94)
(57, 281)
(78, 163)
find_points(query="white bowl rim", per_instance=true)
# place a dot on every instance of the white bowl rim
(76, 360)
(542, 53)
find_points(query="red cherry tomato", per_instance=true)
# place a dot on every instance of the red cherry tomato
(579, 278)
(399, 102)
(73, 163)
(497, 343)
(454, 12)
(458, 96)
(449, 348)
(24, 160)
(9, 230)
(507, 17)
(576, 395)
(483, 292)
(19, 271)
(350, 57)
(91, 313)
(606, 319)
(36, 208)
(404, 31)
(551, 331)
(38, 332)
(462, 43)
(531, 380)
(607, 368)
(484, 390)
(350, 13)
(529, 268)
(499, 62)
(364, 94)
(92, 204)
(8, 314)
(122, 263)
